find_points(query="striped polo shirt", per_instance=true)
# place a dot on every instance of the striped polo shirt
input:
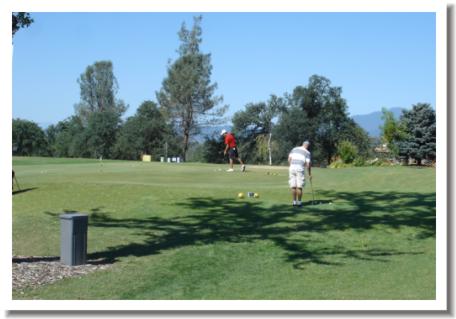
(299, 156)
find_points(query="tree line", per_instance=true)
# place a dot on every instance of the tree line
(186, 102)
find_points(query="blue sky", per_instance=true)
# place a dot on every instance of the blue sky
(379, 59)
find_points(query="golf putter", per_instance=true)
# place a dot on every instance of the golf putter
(313, 196)
(318, 201)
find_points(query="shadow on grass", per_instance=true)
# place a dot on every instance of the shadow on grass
(38, 259)
(24, 190)
(34, 259)
(298, 231)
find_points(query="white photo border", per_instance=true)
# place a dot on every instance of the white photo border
(439, 8)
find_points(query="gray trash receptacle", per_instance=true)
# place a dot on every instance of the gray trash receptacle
(73, 238)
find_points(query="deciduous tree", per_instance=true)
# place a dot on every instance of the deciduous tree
(98, 89)
(28, 139)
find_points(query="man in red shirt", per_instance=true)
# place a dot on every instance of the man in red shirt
(231, 148)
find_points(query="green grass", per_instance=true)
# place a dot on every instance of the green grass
(178, 231)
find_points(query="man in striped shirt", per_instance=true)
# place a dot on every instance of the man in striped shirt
(299, 159)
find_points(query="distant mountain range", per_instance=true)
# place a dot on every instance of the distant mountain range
(371, 122)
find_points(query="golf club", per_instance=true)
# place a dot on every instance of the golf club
(313, 195)
(318, 201)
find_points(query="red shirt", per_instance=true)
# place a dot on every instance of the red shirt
(229, 140)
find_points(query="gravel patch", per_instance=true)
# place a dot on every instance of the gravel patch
(34, 271)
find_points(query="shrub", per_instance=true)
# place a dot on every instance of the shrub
(347, 151)
(339, 164)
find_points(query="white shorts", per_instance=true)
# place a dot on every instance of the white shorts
(296, 178)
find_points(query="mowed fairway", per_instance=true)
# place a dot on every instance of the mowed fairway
(178, 231)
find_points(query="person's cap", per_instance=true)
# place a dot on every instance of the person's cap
(223, 132)
(306, 142)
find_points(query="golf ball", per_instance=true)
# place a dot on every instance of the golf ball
(256, 195)
(241, 195)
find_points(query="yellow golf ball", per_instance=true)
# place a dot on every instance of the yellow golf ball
(256, 195)
(241, 195)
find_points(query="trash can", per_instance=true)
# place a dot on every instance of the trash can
(73, 238)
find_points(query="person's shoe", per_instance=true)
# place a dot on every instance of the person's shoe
(230, 170)
(243, 168)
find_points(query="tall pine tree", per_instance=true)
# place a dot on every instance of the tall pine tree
(187, 94)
